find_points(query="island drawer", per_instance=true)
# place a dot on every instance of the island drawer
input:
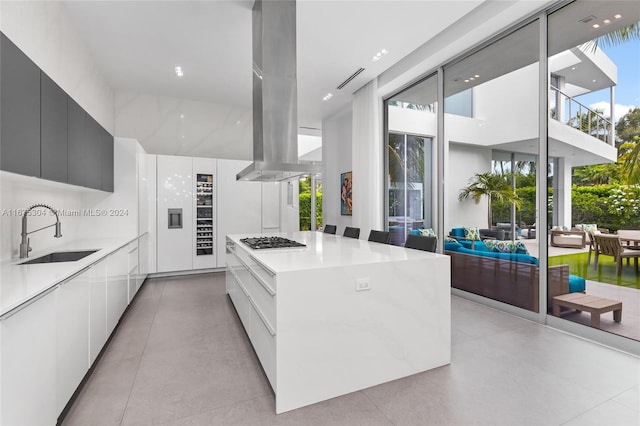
(264, 301)
(239, 298)
(264, 343)
(261, 272)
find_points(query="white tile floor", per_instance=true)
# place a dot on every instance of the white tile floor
(180, 357)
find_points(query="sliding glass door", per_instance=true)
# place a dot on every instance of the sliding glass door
(411, 123)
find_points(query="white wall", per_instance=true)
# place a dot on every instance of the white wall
(411, 121)
(336, 152)
(172, 126)
(464, 162)
(508, 105)
(121, 206)
(367, 156)
(42, 30)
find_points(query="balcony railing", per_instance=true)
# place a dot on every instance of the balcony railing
(579, 116)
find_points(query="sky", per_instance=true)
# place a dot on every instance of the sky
(627, 93)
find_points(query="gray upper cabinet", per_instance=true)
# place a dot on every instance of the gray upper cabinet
(107, 161)
(20, 109)
(78, 151)
(53, 141)
(93, 166)
(90, 150)
(44, 132)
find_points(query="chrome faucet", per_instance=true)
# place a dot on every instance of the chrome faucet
(24, 244)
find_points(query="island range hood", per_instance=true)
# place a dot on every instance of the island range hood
(275, 103)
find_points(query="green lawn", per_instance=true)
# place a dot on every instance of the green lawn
(606, 272)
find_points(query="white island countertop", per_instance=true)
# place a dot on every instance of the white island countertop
(340, 314)
(21, 283)
(327, 251)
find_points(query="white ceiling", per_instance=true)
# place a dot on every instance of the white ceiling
(137, 45)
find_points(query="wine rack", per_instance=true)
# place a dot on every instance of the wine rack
(204, 214)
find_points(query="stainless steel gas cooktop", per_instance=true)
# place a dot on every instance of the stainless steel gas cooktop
(270, 242)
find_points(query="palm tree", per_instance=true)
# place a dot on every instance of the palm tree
(617, 37)
(631, 165)
(494, 187)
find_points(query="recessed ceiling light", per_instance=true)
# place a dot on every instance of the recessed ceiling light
(606, 21)
(617, 16)
(596, 25)
(466, 81)
(476, 76)
(573, 68)
(238, 122)
(179, 71)
(327, 97)
(181, 115)
(593, 81)
(471, 78)
(379, 55)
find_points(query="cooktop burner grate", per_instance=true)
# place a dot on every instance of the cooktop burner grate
(258, 243)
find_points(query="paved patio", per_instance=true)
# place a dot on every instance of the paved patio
(630, 297)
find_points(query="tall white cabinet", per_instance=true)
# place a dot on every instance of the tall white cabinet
(175, 213)
(186, 219)
(199, 201)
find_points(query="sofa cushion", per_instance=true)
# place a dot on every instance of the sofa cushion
(514, 257)
(576, 284)
(457, 232)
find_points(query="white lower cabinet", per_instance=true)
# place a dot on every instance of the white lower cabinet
(143, 260)
(28, 376)
(133, 268)
(48, 345)
(96, 278)
(117, 287)
(72, 325)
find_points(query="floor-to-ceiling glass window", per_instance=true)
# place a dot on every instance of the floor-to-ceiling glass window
(491, 133)
(594, 145)
(411, 124)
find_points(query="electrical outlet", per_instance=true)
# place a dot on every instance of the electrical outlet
(363, 284)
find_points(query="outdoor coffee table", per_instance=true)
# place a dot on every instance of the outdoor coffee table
(593, 304)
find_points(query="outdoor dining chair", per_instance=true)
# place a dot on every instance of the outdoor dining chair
(610, 245)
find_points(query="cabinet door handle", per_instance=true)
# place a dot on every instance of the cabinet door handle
(270, 329)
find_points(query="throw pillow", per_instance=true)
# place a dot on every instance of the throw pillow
(427, 232)
(589, 227)
(450, 240)
(505, 246)
(472, 234)
(521, 248)
(490, 244)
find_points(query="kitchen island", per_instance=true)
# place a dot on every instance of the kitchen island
(339, 314)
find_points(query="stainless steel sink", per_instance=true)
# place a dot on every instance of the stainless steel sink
(60, 256)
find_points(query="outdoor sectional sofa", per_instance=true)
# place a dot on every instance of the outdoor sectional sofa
(506, 277)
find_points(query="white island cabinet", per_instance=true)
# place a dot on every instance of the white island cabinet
(339, 314)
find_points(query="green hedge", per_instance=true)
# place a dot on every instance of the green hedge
(609, 206)
(305, 211)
